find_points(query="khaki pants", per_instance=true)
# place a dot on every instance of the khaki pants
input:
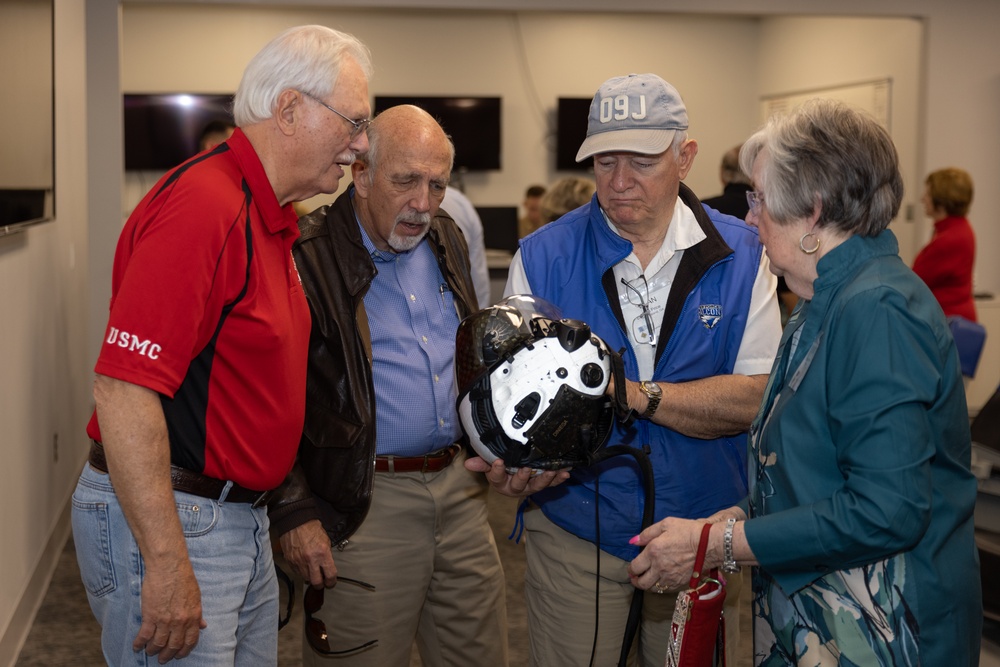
(427, 547)
(561, 590)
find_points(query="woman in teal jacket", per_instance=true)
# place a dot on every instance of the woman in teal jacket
(859, 516)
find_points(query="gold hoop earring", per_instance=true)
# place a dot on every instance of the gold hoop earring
(802, 246)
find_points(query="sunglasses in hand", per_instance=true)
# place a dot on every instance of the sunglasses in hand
(316, 633)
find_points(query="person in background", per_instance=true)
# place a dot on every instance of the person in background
(214, 133)
(735, 186)
(946, 263)
(201, 379)
(565, 195)
(532, 218)
(859, 520)
(463, 212)
(687, 294)
(733, 201)
(379, 473)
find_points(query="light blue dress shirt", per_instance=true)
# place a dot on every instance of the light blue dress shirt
(413, 320)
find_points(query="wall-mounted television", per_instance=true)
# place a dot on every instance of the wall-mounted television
(162, 129)
(472, 122)
(19, 207)
(571, 129)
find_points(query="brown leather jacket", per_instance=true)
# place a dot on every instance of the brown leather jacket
(333, 475)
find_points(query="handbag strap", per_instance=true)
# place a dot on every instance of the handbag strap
(699, 559)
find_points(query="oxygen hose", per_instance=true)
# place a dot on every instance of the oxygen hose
(649, 490)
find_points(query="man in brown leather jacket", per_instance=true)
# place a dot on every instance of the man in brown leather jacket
(387, 278)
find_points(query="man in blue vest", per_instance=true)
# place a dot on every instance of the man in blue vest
(686, 293)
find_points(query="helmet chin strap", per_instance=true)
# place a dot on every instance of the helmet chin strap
(619, 397)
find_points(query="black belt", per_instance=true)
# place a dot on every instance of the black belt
(432, 462)
(191, 482)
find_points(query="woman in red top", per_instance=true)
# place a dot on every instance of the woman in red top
(946, 262)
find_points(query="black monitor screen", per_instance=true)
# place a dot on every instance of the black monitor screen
(472, 122)
(17, 206)
(571, 130)
(162, 130)
(499, 226)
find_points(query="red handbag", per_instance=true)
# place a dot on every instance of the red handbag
(698, 630)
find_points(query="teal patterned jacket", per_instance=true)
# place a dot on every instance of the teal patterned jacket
(861, 498)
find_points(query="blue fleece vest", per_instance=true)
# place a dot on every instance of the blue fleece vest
(569, 262)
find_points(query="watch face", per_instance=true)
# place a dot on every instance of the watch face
(651, 388)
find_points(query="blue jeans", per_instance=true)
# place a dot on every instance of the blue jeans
(230, 551)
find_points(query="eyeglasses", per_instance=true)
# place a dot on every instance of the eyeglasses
(755, 199)
(640, 298)
(358, 126)
(316, 633)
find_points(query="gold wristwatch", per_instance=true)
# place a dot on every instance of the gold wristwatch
(654, 394)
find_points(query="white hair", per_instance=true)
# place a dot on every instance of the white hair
(306, 58)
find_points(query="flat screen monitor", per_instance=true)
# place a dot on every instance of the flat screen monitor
(162, 130)
(472, 122)
(499, 226)
(571, 130)
(20, 206)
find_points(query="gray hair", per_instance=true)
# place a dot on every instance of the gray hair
(826, 153)
(306, 58)
(371, 157)
(680, 136)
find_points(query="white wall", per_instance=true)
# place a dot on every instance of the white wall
(806, 54)
(55, 277)
(721, 65)
(960, 68)
(44, 357)
(962, 116)
(531, 59)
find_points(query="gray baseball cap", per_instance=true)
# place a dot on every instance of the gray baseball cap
(638, 113)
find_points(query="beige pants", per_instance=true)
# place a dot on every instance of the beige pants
(427, 547)
(561, 590)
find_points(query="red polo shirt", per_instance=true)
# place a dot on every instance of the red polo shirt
(207, 310)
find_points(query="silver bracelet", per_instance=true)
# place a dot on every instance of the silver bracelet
(729, 564)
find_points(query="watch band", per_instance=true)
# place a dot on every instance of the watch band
(654, 394)
(729, 565)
